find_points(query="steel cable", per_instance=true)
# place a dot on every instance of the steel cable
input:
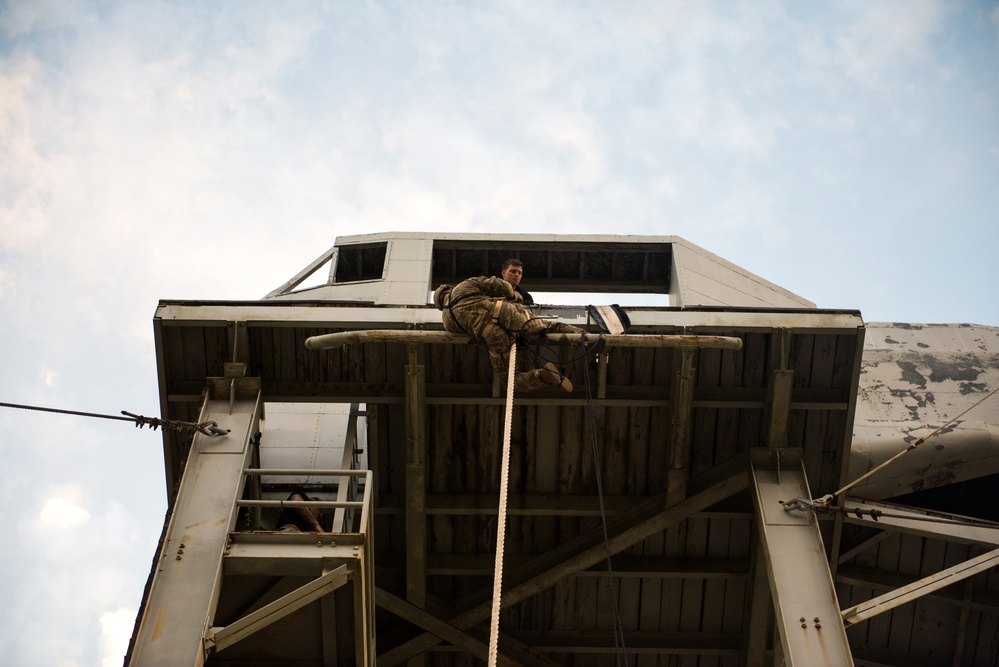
(206, 428)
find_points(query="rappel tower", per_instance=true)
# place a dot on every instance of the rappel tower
(695, 451)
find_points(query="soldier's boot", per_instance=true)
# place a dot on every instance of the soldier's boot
(542, 377)
(550, 374)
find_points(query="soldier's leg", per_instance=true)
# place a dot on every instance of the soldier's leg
(538, 326)
(515, 317)
(498, 343)
(562, 327)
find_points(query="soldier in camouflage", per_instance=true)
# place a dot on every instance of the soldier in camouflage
(491, 311)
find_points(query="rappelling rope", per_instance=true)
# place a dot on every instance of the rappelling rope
(501, 517)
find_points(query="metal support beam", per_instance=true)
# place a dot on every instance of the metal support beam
(219, 638)
(885, 581)
(364, 609)
(343, 518)
(934, 582)
(188, 570)
(921, 523)
(805, 605)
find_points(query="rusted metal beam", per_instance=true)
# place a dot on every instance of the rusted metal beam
(334, 340)
(806, 609)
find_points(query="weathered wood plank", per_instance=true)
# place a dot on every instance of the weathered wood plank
(193, 359)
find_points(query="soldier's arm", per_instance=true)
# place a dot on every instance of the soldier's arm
(494, 286)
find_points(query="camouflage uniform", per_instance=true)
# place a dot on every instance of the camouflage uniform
(491, 311)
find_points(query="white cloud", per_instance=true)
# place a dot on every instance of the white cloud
(59, 513)
(886, 35)
(78, 560)
(667, 187)
(20, 18)
(574, 139)
(28, 176)
(116, 630)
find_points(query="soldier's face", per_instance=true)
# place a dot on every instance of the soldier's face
(512, 274)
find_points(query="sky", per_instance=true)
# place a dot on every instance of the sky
(846, 151)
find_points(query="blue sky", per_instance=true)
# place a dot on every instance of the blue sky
(846, 151)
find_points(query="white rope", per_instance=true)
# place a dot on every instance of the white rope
(501, 517)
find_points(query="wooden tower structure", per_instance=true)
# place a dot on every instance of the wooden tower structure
(649, 520)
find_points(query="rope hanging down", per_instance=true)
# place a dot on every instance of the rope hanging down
(621, 648)
(501, 517)
(205, 428)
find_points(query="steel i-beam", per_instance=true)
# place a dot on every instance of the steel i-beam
(805, 605)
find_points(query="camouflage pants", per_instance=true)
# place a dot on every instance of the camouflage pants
(500, 337)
